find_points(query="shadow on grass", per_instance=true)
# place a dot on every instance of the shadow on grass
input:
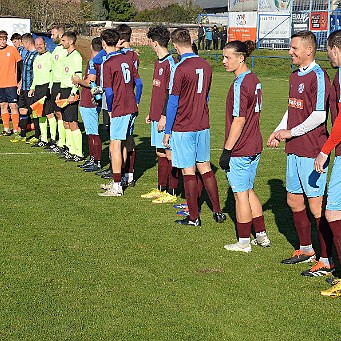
(277, 203)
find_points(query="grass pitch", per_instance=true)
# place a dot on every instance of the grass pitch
(76, 266)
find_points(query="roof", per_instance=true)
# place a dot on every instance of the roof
(205, 4)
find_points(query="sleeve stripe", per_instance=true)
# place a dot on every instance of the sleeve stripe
(321, 90)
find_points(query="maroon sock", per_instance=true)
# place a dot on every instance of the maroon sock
(130, 164)
(162, 172)
(97, 147)
(244, 229)
(191, 193)
(336, 228)
(117, 177)
(200, 184)
(258, 224)
(173, 176)
(325, 237)
(302, 224)
(210, 183)
(91, 144)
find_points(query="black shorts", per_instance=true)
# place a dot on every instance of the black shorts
(9, 95)
(54, 92)
(70, 112)
(25, 101)
(39, 92)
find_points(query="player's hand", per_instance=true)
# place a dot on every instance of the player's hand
(224, 161)
(71, 99)
(75, 79)
(148, 120)
(161, 125)
(166, 140)
(283, 134)
(272, 141)
(30, 93)
(319, 163)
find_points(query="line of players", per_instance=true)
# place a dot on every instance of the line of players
(179, 118)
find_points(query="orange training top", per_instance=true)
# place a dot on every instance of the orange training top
(9, 56)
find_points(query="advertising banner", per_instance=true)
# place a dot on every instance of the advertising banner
(299, 21)
(242, 26)
(274, 5)
(318, 21)
(335, 21)
(242, 5)
(15, 25)
(274, 30)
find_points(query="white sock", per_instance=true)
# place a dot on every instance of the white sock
(326, 261)
(129, 176)
(244, 241)
(307, 248)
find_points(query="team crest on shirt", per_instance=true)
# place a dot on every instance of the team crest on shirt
(156, 82)
(160, 71)
(66, 69)
(301, 88)
(56, 57)
(8, 54)
(39, 66)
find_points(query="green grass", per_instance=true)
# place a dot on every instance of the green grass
(75, 266)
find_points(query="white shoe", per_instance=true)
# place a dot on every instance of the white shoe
(263, 241)
(105, 186)
(112, 191)
(238, 247)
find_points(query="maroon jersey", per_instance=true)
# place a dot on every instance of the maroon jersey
(133, 56)
(119, 74)
(162, 71)
(86, 96)
(191, 81)
(335, 98)
(309, 92)
(244, 99)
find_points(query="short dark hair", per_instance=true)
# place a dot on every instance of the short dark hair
(182, 37)
(28, 37)
(334, 39)
(71, 35)
(159, 34)
(308, 37)
(3, 33)
(124, 31)
(110, 36)
(96, 44)
(59, 28)
(16, 36)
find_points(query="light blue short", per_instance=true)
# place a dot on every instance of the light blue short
(191, 147)
(132, 124)
(302, 178)
(242, 173)
(90, 119)
(156, 137)
(120, 126)
(334, 187)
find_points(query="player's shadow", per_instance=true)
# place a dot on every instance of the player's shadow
(230, 206)
(145, 156)
(277, 203)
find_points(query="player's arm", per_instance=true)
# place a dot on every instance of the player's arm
(239, 110)
(138, 85)
(162, 121)
(20, 67)
(315, 119)
(172, 108)
(107, 85)
(77, 72)
(272, 141)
